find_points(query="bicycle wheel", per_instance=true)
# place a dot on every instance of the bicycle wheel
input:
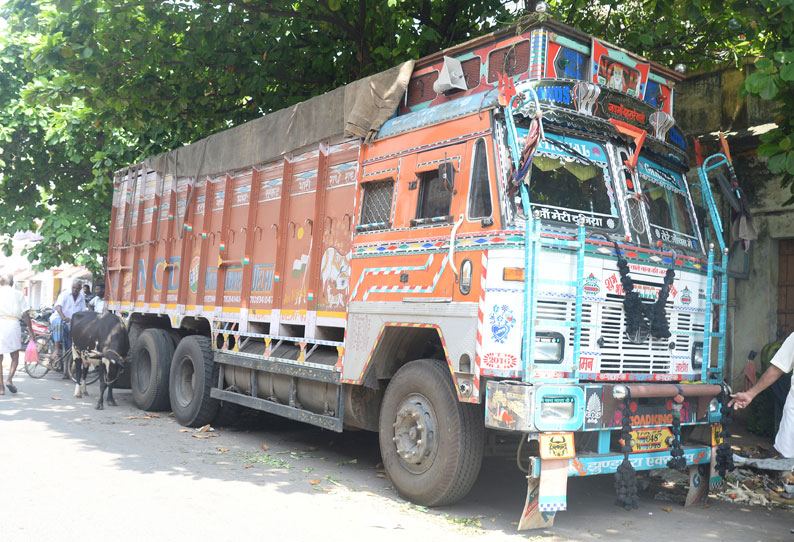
(42, 366)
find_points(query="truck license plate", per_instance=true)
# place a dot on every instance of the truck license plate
(650, 440)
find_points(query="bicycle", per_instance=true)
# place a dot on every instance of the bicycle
(46, 363)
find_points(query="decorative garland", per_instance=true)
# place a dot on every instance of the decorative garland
(640, 315)
(626, 476)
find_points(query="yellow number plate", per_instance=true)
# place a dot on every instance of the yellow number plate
(557, 446)
(650, 440)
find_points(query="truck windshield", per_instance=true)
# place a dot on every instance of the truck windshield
(668, 206)
(569, 181)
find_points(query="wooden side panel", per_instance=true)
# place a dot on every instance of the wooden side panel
(299, 229)
(332, 280)
(265, 232)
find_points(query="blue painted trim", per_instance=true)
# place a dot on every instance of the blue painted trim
(608, 464)
(603, 441)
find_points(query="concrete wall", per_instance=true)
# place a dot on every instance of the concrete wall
(705, 104)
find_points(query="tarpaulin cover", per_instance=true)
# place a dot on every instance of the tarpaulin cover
(355, 110)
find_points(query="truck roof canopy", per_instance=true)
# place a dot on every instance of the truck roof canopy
(358, 109)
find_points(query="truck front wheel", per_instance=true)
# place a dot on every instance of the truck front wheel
(431, 444)
(192, 376)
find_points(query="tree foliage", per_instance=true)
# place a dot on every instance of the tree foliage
(90, 86)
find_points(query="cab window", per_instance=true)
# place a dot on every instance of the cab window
(376, 205)
(570, 181)
(434, 197)
(480, 187)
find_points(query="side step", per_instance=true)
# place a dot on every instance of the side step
(295, 370)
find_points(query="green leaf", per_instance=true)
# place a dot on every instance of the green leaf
(790, 163)
(763, 64)
(777, 163)
(787, 72)
(334, 5)
(755, 82)
(768, 149)
(784, 56)
(770, 89)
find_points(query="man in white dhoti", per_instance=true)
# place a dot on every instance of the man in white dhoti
(12, 307)
(781, 363)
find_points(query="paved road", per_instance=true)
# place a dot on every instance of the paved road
(69, 472)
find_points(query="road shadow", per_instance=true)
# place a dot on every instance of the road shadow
(262, 449)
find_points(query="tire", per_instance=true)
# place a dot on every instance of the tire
(151, 363)
(41, 367)
(192, 376)
(443, 454)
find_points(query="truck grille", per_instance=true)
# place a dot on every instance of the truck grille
(654, 356)
(618, 355)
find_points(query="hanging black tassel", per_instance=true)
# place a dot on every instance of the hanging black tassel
(632, 303)
(724, 452)
(626, 476)
(638, 314)
(660, 328)
(677, 460)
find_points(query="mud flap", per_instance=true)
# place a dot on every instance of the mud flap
(698, 483)
(546, 493)
(715, 480)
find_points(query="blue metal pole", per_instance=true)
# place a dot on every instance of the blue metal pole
(704, 368)
(577, 334)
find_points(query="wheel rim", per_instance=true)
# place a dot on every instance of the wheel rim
(415, 433)
(185, 382)
(143, 370)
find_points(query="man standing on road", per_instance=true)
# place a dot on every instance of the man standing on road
(97, 303)
(67, 304)
(12, 307)
(781, 363)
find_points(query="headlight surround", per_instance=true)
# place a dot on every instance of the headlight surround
(553, 409)
(697, 355)
(549, 347)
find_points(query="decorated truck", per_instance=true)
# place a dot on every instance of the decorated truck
(496, 243)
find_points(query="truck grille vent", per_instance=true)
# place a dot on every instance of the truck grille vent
(565, 311)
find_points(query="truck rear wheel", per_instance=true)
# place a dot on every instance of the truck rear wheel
(151, 363)
(431, 444)
(192, 376)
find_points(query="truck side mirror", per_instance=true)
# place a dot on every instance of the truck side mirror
(446, 173)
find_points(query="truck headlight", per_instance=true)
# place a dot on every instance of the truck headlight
(549, 347)
(697, 355)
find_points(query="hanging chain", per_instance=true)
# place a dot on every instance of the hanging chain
(626, 476)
